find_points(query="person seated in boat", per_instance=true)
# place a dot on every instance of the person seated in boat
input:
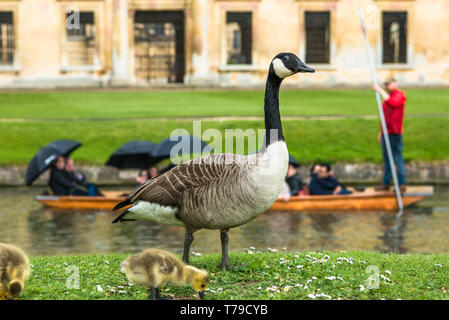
(324, 182)
(153, 171)
(293, 179)
(60, 182)
(142, 177)
(84, 188)
(78, 177)
(340, 189)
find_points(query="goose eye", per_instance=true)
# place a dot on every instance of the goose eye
(285, 58)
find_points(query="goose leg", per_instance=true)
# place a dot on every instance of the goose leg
(187, 242)
(158, 293)
(224, 264)
(154, 294)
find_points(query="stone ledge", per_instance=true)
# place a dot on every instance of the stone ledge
(417, 172)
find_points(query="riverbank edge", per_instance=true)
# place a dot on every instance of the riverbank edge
(369, 173)
(266, 274)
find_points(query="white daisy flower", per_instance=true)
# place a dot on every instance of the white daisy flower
(384, 277)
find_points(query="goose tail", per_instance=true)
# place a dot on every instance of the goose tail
(122, 204)
(122, 217)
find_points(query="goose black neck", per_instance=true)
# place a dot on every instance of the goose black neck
(271, 108)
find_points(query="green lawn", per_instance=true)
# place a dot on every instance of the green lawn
(267, 275)
(347, 140)
(351, 140)
(207, 103)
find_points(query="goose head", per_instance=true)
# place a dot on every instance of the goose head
(286, 63)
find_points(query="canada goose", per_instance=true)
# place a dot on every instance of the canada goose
(221, 191)
(14, 270)
(153, 268)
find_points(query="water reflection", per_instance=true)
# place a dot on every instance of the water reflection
(393, 237)
(44, 231)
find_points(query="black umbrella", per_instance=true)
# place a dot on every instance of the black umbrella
(183, 145)
(293, 161)
(46, 156)
(132, 155)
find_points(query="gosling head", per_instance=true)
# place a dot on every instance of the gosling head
(15, 289)
(199, 280)
(124, 266)
(286, 63)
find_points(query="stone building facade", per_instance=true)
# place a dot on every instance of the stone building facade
(59, 43)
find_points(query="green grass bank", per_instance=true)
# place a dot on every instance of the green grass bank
(267, 275)
(27, 121)
(169, 103)
(349, 140)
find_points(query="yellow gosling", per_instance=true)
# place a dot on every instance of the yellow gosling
(153, 268)
(14, 270)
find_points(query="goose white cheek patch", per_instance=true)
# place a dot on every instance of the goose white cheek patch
(280, 69)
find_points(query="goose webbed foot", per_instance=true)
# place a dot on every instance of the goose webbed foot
(187, 242)
(224, 264)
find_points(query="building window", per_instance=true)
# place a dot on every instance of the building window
(6, 38)
(80, 44)
(394, 34)
(239, 37)
(317, 36)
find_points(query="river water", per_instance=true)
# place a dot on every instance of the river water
(43, 231)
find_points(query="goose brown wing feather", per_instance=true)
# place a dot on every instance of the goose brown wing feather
(167, 189)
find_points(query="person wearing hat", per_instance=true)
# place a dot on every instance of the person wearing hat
(293, 178)
(394, 109)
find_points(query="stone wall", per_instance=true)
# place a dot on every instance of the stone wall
(205, 42)
(437, 172)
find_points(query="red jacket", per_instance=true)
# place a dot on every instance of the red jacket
(394, 108)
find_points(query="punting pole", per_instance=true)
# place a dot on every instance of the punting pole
(381, 114)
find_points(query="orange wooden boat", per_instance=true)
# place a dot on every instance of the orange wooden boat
(367, 200)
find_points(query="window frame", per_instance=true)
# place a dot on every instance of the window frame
(250, 13)
(72, 38)
(318, 7)
(401, 6)
(12, 7)
(96, 8)
(13, 40)
(239, 7)
(328, 40)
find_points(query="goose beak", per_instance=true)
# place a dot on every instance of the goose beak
(302, 67)
(201, 294)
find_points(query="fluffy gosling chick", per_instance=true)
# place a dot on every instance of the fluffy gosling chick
(14, 270)
(153, 268)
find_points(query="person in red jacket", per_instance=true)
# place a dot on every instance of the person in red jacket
(394, 109)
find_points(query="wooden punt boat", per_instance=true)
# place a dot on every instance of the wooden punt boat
(366, 200)
(108, 202)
